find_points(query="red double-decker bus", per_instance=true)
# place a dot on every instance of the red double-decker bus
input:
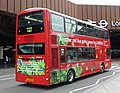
(52, 47)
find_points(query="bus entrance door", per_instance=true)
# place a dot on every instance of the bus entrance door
(54, 57)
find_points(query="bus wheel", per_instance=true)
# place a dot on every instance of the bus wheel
(102, 68)
(70, 76)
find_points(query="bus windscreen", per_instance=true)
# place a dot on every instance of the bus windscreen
(31, 23)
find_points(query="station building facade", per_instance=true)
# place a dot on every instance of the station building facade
(107, 16)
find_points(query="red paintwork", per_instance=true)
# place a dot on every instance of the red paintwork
(39, 37)
(46, 37)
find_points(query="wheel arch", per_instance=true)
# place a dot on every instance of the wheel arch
(102, 63)
(102, 67)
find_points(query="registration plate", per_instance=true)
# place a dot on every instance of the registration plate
(30, 79)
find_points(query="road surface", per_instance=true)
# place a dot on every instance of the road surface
(9, 85)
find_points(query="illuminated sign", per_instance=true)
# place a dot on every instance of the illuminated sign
(29, 29)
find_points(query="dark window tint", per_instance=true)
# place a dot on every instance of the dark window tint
(57, 23)
(106, 35)
(90, 30)
(31, 29)
(86, 53)
(96, 33)
(82, 53)
(31, 23)
(70, 26)
(100, 34)
(81, 29)
(72, 54)
(91, 53)
(62, 55)
(31, 48)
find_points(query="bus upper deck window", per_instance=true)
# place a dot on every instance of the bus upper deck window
(31, 23)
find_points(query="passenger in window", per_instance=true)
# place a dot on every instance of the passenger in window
(69, 59)
(70, 56)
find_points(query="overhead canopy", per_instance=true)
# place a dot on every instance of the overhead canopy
(7, 29)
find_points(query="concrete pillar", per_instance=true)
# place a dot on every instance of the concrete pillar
(1, 56)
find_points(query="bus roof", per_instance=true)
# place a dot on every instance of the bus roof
(39, 8)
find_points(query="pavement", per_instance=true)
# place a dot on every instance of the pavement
(110, 85)
(6, 71)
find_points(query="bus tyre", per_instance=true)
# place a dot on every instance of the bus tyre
(102, 68)
(70, 76)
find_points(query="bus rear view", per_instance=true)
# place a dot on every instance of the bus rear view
(30, 47)
(52, 48)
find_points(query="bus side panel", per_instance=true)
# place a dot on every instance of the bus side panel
(108, 63)
(99, 59)
(58, 76)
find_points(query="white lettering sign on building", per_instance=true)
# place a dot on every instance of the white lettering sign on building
(117, 23)
(103, 23)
